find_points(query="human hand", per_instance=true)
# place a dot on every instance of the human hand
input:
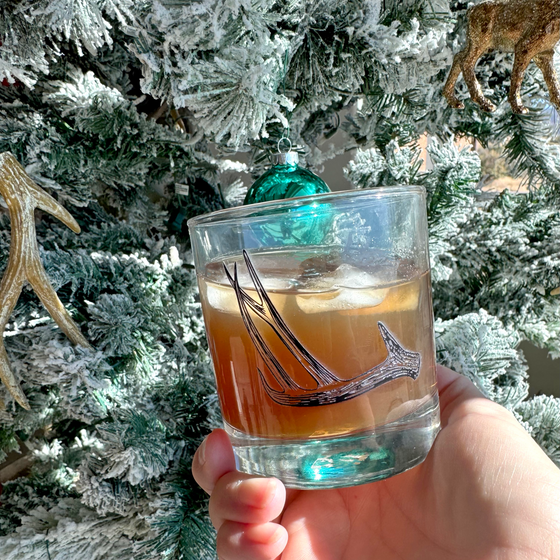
(485, 491)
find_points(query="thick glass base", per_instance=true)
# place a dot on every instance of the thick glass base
(343, 460)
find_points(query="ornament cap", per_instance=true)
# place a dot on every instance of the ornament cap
(287, 158)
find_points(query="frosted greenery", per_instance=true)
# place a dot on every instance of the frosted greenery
(132, 114)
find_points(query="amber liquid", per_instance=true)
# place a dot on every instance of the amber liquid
(339, 327)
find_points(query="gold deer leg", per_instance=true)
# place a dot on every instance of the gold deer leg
(535, 42)
(545, 62)
(474, 52)
(449, 88)
(522, 60)
(482, 19)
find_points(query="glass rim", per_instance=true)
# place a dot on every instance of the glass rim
(250, 210)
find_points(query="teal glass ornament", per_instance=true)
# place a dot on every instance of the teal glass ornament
(288, 180)
(285, 180)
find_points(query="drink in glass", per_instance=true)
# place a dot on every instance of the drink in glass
(319, 321)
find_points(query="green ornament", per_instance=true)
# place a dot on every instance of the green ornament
(288, 180)
(285, 180)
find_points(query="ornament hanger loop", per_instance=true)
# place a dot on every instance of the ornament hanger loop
(286, 140)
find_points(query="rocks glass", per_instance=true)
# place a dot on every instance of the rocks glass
(319, 319)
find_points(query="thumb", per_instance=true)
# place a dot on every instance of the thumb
(212, 460)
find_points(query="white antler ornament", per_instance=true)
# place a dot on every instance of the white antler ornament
(22, 196)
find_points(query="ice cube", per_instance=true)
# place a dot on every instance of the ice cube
(343, 299)
(222, 298)
(276, 284)
(344, 276)
(348, 276)
(405, 297)
(270, 281)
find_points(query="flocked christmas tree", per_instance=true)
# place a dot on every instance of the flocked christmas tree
(128, 113)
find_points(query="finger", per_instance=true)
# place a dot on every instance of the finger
(454, 390)
(237, 541)
(246, 499)
(212, 460)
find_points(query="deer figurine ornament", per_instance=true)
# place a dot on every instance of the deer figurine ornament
(528, 28)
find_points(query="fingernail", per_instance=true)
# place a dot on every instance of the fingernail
(202, 453)
(257, 492)
(276, 536)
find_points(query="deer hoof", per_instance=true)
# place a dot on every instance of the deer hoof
(519, 109)
(487, 105)
(453, 101)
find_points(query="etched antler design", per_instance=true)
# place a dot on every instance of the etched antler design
(329, 388)
(528, 28)
(22, 196)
